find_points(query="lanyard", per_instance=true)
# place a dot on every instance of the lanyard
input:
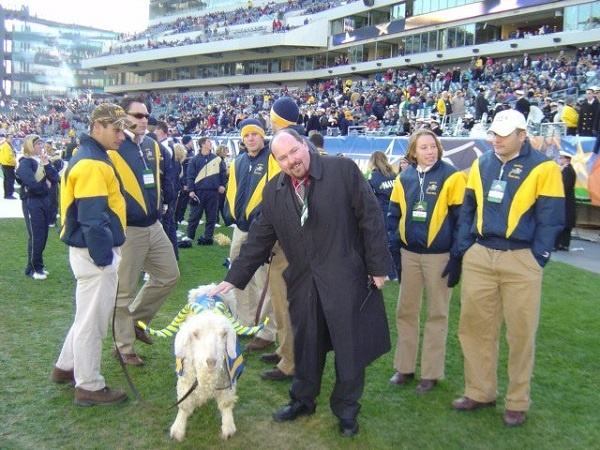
(421, 182)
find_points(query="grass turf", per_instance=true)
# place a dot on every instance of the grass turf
(35, 316)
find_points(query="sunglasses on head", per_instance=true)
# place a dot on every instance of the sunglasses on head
(139, 115)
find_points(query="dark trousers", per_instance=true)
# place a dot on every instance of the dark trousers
(170, 227)
(208, 204)
(35, 212)
(53, 203)
(9, 180)
(563, 240)
(306, 384)
(181, 205)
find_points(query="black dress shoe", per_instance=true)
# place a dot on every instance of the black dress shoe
(270, 358)
(292, 411)
(275, 375)
(349, 427)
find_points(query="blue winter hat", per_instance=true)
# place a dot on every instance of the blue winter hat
(186, 139)
(285, 112)
(251, 125)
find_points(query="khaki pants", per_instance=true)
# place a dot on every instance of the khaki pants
(247, 300)
(146, 249)
(278, 291)
(94, 302)
(499, 286)
(422, 271)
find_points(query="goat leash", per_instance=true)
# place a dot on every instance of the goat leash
(263, 295)
(120, 357)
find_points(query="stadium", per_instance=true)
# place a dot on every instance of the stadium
(372, 72)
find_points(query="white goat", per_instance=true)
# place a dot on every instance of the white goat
(204, 345)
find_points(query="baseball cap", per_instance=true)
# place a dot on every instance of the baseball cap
(507, 121)
(565, 154)
(109, 113)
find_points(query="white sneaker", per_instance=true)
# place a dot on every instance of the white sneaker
(201, 222)
(146, 277)
(217, 225)
(185, 239)
(179, 234)
(39, 276)
(183, 223)
(45, 272)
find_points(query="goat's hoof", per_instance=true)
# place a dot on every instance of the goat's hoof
(177, 435)
(225, 436)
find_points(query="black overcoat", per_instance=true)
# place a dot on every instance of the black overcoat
(569, 178)
(342, 242)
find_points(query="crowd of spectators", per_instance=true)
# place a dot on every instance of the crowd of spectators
(393, 102)
(216, 26)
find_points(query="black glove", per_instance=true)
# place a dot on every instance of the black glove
(453, 269)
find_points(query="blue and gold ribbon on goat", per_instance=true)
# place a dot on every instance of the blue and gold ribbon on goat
(203, 303)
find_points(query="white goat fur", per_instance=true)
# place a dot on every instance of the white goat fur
(203, 344)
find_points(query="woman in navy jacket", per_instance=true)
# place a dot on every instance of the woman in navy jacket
(36, 174)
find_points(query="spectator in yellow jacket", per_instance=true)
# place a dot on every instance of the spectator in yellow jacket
(570, 117)
(8, 161)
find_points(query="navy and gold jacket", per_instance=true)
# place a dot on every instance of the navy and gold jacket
(92, 203)
(247, 178)
(531, 213)
(144, 201)
(206, 172)
(443, 190)
(32, 177)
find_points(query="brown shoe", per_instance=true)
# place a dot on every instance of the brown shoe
(105, 396)
(275, 375)
(514, 418)
(129, 358)
(141, 336)
(62, 376)
(426, 386)
(468, 404)
(270, 358)
(402, 379)
(258, 344)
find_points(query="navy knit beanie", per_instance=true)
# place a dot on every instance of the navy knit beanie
(249, 125)
(285, 112)
(187, 138)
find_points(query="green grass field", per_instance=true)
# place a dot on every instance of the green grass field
(37, 414)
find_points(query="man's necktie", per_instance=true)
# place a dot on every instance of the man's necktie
(301, 194)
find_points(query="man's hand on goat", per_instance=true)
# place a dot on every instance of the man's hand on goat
(222, 288)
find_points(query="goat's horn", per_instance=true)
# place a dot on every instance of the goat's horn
(240, 329)
(171, 329)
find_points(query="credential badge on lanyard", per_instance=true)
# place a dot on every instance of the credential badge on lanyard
(419, 210)
(497, 189)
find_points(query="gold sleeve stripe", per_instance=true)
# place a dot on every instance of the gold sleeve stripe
(397, 196)
(231, 191)
(474, 183)
(130, 182)
(212, 168)
(544, 180)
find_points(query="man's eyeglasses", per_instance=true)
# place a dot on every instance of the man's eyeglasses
(139, 115)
